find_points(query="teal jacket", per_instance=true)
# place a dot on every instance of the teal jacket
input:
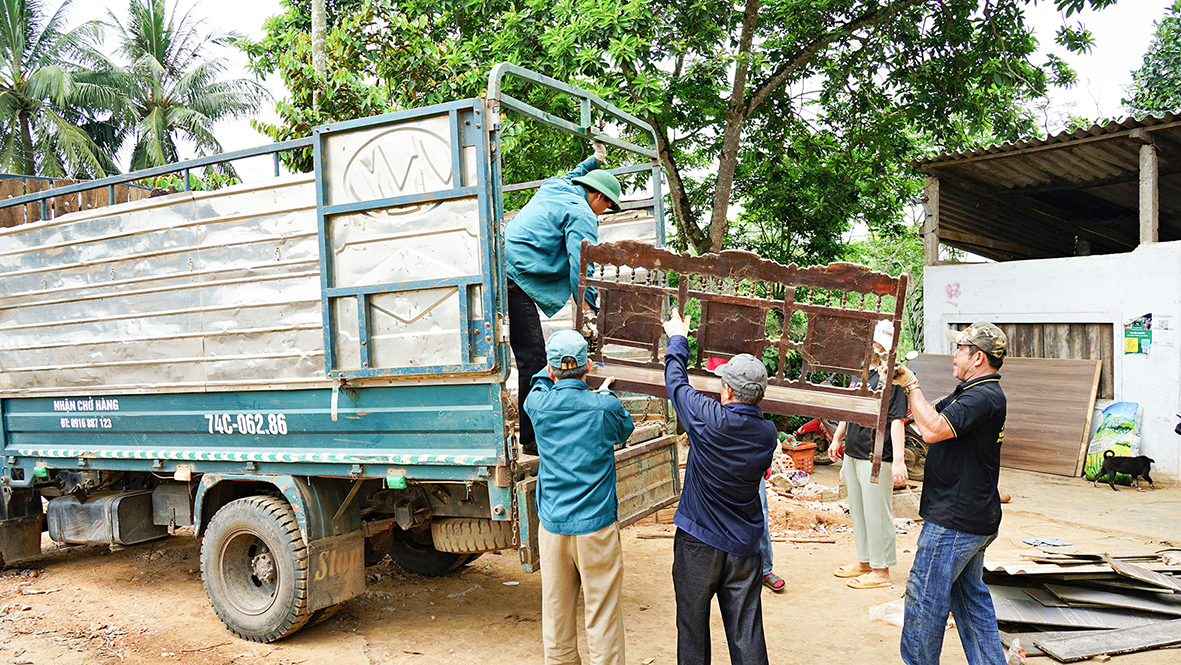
(543, 243)
(577, 429)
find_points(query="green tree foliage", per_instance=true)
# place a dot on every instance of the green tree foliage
(801, 111)
(54, 106)
(172, 88)
(1156, 86)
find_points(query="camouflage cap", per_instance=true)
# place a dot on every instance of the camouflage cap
(983, 335)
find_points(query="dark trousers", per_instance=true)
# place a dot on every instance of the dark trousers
(528, 343)
(700, 572)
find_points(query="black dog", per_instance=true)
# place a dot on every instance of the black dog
(1136, 467)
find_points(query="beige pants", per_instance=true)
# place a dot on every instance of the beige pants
(871, 507)
(594, 563)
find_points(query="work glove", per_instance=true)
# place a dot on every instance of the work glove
(590, 330)
(600, 152)
(676, 325)
(905, 378)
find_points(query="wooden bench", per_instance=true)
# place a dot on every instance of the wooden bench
(745, 302)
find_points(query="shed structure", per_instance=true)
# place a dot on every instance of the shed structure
(1084, 232)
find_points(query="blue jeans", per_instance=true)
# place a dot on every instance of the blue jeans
(948, 575)
(765, 543)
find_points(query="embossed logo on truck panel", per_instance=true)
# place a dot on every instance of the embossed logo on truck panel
(400, 162)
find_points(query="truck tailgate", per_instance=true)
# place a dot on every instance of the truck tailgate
(647, 479)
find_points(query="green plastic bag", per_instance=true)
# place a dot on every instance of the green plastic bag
(1119, 432)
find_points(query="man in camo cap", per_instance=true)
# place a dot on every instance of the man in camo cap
(960, 503)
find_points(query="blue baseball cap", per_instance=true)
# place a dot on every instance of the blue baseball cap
(566, 349)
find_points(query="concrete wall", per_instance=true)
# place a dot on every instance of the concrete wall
(1083, 289)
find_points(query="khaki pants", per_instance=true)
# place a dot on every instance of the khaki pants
(594, 563)
(871, 507)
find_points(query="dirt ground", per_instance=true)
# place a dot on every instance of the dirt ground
(146, 604)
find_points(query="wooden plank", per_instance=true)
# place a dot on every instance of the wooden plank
(1082, 446)
(1027, 341)
(1127, 640)
(1144, 574)
(1046, 598)
(33, 210)
(1013, 605)
(93, 198)
(11, 215)
(64, 204)
(1028, 638)
(931, 222)
(1147, 602)
(1049, 402)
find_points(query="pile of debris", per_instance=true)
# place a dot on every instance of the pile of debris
(1074, 605)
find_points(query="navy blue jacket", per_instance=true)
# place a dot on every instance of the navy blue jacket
(729, 449)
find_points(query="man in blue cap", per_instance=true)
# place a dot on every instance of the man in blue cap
(720, 516)
(577, 430)
(543, 252)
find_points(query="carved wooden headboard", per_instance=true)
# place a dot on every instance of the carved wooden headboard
(807, 324)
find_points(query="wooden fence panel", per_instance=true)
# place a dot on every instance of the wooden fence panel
(12, 215)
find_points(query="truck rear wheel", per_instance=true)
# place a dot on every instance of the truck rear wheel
(254, 564)
(414, 552)
(470, 534)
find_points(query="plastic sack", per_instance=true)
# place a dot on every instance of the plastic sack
(891, 612)
(1119, 432)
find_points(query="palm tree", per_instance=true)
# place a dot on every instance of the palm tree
(54, 104)
(175, 91)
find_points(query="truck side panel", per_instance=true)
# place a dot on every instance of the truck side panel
(440, 432)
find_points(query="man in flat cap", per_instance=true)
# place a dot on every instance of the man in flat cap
(577, 430)
(720, 516)
(960, 503)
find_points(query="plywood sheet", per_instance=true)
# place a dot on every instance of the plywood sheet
(1144, 574)
(1013, 605)
(1049, 403)
(1071, 648)
(1148, 602)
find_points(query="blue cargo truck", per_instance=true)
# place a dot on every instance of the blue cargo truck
(308, 372)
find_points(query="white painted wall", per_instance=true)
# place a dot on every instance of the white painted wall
(1082, 289)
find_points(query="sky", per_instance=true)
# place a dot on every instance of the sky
(1122, 33)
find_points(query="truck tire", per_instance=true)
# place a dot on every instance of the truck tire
(254, 564)
(471, 534)
(414, 552)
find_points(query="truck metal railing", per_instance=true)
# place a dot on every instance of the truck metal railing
(585, 127)
(131, 177)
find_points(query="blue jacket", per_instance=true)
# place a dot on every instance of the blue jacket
(729, 449)
(577, 429)
(543, 243)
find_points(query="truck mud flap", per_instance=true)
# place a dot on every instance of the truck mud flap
(336, 569)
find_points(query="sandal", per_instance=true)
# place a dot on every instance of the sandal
(849, 570)
(774, 583)
(863, 582)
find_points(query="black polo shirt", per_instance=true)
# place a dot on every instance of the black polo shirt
(859, 440)
(960, 478)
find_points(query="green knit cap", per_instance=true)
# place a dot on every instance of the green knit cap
(602, 182)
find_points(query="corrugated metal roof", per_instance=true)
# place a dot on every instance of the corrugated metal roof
(1127, 124)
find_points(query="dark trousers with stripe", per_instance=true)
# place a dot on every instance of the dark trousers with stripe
(528, 343)
(700, 572)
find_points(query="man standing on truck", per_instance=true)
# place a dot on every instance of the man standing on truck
(577, 430)
(960, 504)
(543, 252)
(720, 516)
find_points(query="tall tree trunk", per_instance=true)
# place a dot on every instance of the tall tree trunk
(735, 117)
(26, 157)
